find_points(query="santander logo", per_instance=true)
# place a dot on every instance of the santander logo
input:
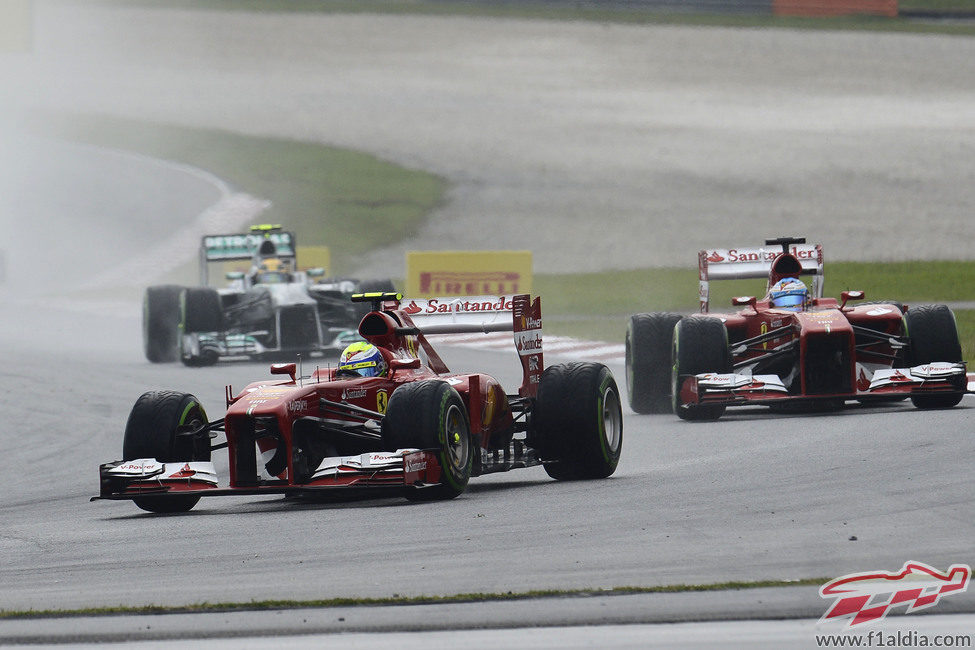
(412, 308)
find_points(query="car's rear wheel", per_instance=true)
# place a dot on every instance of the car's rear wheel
(934, 337)
(160, 323)
(431, 415)
(154, 430)
(649, 339)
(699, 345)
(577, 424)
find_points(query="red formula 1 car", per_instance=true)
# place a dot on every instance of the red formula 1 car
(812, 353)
(419, 430)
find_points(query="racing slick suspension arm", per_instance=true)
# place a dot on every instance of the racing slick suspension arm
(208, 430)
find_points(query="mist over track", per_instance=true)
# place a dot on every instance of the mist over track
(596, 146)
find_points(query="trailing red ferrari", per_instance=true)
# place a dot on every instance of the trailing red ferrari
(390, 417)
(791, 349)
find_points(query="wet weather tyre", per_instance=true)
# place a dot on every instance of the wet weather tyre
(160, 323)
(934, 337)
(578, 421)
(699, 345)
(649, 340)
(199, 311)
(431, 415)
(153, 431)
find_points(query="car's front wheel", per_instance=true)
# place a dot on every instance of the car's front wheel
(700, 346)
(157, 428)
(431, 415)
(934, 337)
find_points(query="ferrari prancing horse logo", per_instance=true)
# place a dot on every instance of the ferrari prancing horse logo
(382, 398)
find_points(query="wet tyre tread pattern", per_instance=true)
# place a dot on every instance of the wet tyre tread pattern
(160, 323)
(934, 337)
(150, 433)
(568, 421)
(702, 346)
(413, 419)
(649, 341)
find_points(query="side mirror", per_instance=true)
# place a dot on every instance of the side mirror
(316, 272)
(284, 369)
(744, 301)
(847, 296)
(234, 275)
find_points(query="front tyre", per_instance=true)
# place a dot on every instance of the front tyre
(200, 311)
(154, 430)
(160, 323)
(700, 345)
(934, 337)
(431, 415)
(578, 421)
(648, 345)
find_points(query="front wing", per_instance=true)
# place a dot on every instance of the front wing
(228, 346)
(733, 389)
(147, 477)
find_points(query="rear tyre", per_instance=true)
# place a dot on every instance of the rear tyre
(431, 415)
(700, 345)
(649, 339)
(199, 311)
(152, 431)
(160, 323)
(578, 421)
(934, 337)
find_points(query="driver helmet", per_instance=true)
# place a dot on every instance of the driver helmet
(272, 271)
(789, 294)
(363, 359)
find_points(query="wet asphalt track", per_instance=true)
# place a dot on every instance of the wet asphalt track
(751, 497)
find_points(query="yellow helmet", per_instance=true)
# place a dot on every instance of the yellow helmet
(363, 359)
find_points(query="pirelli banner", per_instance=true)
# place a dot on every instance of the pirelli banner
(16, 25)
(432, 274)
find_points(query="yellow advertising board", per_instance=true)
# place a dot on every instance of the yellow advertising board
(314, 257)
(16, 25)
(432, 274)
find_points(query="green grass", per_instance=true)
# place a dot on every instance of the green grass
(586, 13)
(330, 195)
(598, 305)
(350, 201)
(413, 600)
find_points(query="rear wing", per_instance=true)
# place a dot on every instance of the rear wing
(261, 240)
(738, 263)
(481, 314)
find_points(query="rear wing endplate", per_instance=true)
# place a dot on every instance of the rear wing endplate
(738, 263)
(473, 314)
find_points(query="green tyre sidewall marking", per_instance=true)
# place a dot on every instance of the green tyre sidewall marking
(603, 443)
(186, 411)
(444, 454)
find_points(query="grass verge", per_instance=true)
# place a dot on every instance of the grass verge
(330, 195)
(598, 305)
(412, 600)
(348, 200)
